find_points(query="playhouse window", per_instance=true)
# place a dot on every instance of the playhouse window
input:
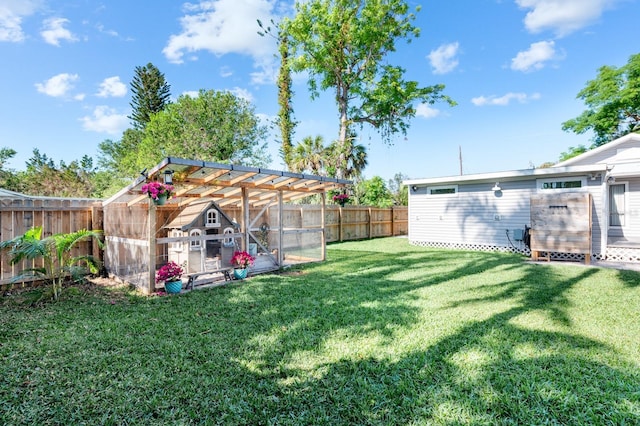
(195, 244)
(228, 241)
(212, 219)
(176, 246)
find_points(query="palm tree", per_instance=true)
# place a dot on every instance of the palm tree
(354, 157)
(309, 155)
(58, 263)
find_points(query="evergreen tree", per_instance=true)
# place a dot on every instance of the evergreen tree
(151, 94)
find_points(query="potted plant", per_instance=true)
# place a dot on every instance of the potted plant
(341, 199)
(241, 260)
(171, 275)
(157, 191)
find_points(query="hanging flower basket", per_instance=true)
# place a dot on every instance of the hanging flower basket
(159, 192)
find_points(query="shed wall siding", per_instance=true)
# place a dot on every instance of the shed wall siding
(478, 216)
(475, 215)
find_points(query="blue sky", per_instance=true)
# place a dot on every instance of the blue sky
(513, 66)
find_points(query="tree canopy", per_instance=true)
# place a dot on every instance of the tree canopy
(613, 103)
(213, 126)
(343, 45)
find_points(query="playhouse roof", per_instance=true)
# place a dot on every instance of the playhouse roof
(191, 213)
(223, 183)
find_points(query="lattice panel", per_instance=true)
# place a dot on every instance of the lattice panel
(470, 247)
(614, 254)
(622, 254)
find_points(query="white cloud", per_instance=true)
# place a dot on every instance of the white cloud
(225, 71)
(112, 87)
(443, 59)
(191, 93)
(11, 14)
(105, 120)
(242, 94)
(535, 57)
(425, 111)
(58, 85)
(562, 16)
(222, 27)
(54, 31)
(522, 98)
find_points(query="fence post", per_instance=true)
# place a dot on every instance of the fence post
(340, 235)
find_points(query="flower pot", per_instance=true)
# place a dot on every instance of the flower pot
(162, 198)
(240, 274)
(173, 287)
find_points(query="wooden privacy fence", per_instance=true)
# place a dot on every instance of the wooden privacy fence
(18, 215)
(349, 222)
(362, 222)
(69, 215)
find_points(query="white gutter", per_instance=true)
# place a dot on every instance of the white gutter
(513, 174)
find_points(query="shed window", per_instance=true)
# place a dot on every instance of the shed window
(565, 184)
(212, 219)
(617, 204)
(442, 190)
(195, 244)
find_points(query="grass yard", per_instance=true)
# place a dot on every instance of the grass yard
(382, 333)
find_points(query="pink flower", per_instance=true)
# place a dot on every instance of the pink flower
(156, 189)
(169, 272)
(242, 259)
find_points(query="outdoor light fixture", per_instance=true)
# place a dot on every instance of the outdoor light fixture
(168, 177)
(414, 188)
(496, 187)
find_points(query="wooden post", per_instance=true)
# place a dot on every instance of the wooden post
(340, 234)
(151, 240)
(280, 230)
(323, 235)
(245, 219)
(370, 223)
(393, 223)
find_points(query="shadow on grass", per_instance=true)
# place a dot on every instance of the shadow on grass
(629, 278)
(414, 337)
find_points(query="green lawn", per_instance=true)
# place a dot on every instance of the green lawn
(382, 333)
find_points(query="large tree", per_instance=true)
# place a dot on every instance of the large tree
(343, 45)
(151, 93)
(213, 126)
(613, 103)
(8, 178)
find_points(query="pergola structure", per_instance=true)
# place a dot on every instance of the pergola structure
(137, 240)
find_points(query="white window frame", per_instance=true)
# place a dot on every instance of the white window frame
(626, 203)
(442, 187)
(195, 245)
(228, 241)
(541, 182)
(177, 245)
(212, 218)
